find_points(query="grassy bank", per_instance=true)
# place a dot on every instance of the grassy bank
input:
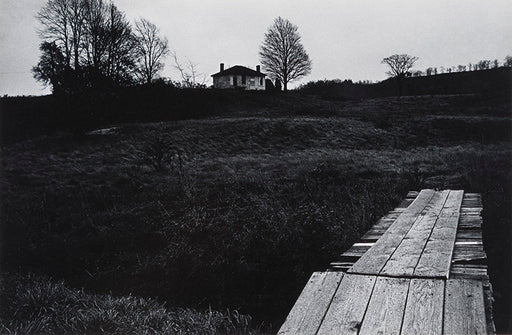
(237, 210)
(38, 305)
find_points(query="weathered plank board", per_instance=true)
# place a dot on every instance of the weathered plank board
(312, 304)
(469, 271)
(348, 305)
(436, 258)
(469, 229)
(406, 256)
(394, 302)
(386, 307)
(349, 257)
(424, 309)
(376, 257)
(464, 308)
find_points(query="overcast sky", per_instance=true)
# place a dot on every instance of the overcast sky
(345, 39)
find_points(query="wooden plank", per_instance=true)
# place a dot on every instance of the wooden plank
(436, 258)
(469, 233)
(467, 253)
(406, 202)
(424, 308)
(466, 272)
(488, 301)
(406, 256)
(348, 306)
(464, 308)
(312, 304)
(356, 254)
(363, 304)
(386, 307)
(412, 194)
(376, 257)
(359, 248)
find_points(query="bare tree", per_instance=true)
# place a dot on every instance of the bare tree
(121, 43)
(62, 22)
(151, 49)
(94, 38)
(282, 53)
(95, 42)
(399, 67)
(190, 75)
(76, 10)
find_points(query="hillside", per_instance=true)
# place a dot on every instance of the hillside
(26, 117)
(236, 209)
(492, 81)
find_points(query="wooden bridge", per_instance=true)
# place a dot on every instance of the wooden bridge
(420, 270)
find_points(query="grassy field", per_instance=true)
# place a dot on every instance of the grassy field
(234, 212)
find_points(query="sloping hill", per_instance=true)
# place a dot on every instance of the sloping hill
(237, 209)
(493, 81)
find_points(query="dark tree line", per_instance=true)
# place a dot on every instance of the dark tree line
(90, 43)
(399, 66)
(484, 64)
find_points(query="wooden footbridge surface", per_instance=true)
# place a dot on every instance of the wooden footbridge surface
(420, 270)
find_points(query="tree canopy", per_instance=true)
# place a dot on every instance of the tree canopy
(150, 48)
(95, 46)
(399, 66)
(282, 54)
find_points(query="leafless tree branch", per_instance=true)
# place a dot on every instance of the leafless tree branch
(151, 49)
(282, 53)
(190, 75)
(399, 67)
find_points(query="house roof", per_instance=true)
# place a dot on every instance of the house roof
(239, 70)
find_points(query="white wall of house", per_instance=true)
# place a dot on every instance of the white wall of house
(251, 82)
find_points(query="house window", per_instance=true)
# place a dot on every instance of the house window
(235, 81)
(261, 80)
(243, 80)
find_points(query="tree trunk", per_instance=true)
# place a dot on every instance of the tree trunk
(400, 85)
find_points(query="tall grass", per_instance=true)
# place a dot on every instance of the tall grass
(38, 305)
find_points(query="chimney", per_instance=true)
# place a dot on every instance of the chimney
(257, 68)
(221, 67)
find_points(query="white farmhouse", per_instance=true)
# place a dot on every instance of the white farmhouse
(239, 77)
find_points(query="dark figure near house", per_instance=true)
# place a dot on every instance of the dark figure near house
(278, 85)
(269, 86)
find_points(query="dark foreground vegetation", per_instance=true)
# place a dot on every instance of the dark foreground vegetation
(227, 215)
(38, 305)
